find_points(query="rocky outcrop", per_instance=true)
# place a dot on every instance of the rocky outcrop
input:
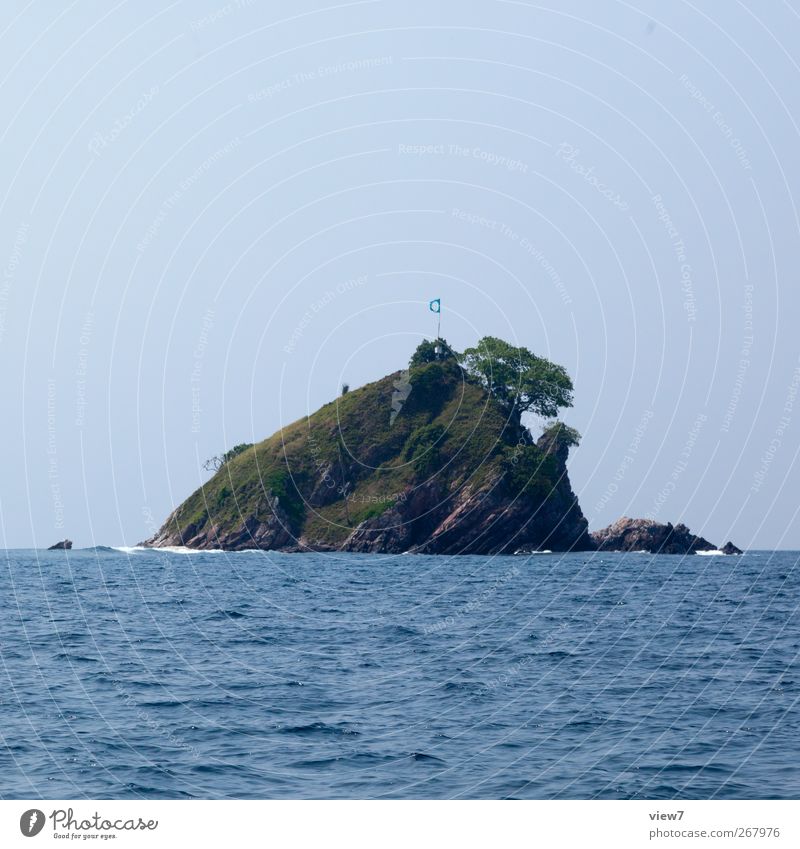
(267, 528)
(730, 548)
(64, 545)
(477, 520)
(647, 535)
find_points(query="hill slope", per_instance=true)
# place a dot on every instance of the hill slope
(424, 461)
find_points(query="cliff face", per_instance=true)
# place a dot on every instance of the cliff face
(423, 461)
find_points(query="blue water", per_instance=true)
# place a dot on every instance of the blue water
(255, 675)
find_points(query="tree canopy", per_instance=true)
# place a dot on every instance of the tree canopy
(559, 436)
(426, 352)
(519, 379)
(215, 463)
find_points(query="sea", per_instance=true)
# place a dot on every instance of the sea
(142, 674)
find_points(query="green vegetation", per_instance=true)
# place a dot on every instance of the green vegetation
(351, 461)
(362, 512)
(529, 470)
(423, 448)
(519, 379)
(281, 485)
(216, 462)
(431, 352)
(559, 436)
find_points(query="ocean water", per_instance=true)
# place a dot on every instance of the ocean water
(161, 674)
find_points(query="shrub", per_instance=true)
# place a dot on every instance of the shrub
(426, 353)
(423, 448)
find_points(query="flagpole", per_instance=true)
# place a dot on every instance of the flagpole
(438, 311)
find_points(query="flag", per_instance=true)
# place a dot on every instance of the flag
(435, 305)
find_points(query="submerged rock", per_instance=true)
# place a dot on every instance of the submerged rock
(64, 545)
(651, 536)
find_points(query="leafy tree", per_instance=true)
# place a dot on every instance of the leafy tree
(426, 353)
(215, 463)
(519, 379)
(558, 437)
(345, 388)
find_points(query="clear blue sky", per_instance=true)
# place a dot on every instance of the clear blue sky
(213, 213)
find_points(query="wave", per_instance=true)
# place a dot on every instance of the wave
(712, 552)
(423, 757)
(170, 549)
(321, 728)
(227, 614)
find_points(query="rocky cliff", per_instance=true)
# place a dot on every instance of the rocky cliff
(647, 535)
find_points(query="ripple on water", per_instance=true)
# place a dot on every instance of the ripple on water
(301, 676)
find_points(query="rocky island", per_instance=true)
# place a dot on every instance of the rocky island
(647, 535)
(433, 459)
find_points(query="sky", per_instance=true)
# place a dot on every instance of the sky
(212, 214)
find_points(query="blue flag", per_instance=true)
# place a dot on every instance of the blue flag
(435, 305)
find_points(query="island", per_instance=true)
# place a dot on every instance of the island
(647, 535)
(432, 459)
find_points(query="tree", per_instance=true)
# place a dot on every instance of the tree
(215, 463)
(345, 388)
(519, 379)
(426, 353)
(559, 437)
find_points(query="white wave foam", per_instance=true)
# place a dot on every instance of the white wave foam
(172, 549)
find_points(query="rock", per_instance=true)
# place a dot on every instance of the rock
(651, 536)
(267, 528)
(64, 545)
(730, 548)
(387, 532)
